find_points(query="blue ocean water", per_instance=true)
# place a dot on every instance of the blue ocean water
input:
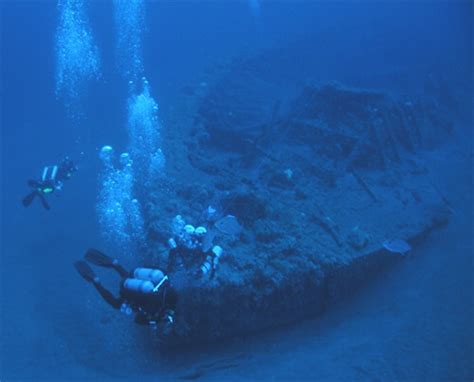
(413, 322)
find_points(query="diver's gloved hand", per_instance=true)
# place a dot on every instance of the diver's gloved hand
(166, 324)
(169, 317)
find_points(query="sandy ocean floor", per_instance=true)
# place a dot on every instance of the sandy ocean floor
(414, 322)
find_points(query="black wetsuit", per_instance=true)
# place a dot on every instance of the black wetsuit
(51, 181)
(148, 308)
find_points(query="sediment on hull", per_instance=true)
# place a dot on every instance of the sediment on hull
(210, 312)
(318, 185)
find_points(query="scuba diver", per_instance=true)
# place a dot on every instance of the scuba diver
(52, 179)
(145, 291)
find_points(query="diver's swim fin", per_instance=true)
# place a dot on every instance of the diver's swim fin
(43, 201)
(28, 199)
(98, 258)
(84, 270)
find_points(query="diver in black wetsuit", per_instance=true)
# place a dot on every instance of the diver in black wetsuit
(52, 179)
(145, 291)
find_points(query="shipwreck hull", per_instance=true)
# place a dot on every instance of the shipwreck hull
(317, 187)
(229, 306)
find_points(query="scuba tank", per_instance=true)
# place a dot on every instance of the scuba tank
(137, 285)
(207, 265)
(211, 262)
(153, 275)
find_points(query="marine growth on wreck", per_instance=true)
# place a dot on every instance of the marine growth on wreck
(275, 195)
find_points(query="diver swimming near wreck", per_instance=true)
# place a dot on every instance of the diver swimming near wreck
(52, 179)
(147, 292)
